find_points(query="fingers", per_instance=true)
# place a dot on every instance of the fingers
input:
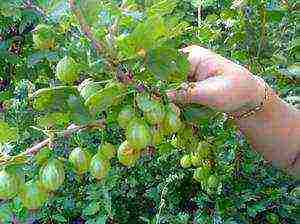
(205, 63)
(179, 96)
(194, 53)
(188, 49)
(196, 92)
(224, 93)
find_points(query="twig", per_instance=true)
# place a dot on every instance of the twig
(30, 5)
(162, 204)
(39, 146)
(86, 29)
(263, 20)
(199, 19)
(66, 133)
(36, 148)
(15, 220)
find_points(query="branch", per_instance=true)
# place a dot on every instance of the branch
(36, 148)
(199, 17)
(30, 5)
(23, 157)
(263, 20)
(85, 27)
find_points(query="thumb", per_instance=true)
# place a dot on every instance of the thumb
(179, 96)
(215, 92)
(186, 94)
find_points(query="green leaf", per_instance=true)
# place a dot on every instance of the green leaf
(53, 99)
(203, 218)
(5, 95)
(78, 111)
(101, 219)
(54, 119)
(7, 133)
(165, 148)
(195, 113)
(47, 3)
(256, 208)
(101, 100)
(42, 55)
(90, 10)
(9, 57)
(167, 64)
(56, 9)
(162, 7)
(91, 209)
(59, 218)
(143, 37)
(177, 28)
(203, 3)
(275, 15)
(10, 7)
(207, 34)
(5, 214)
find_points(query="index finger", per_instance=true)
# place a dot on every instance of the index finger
(189, 48)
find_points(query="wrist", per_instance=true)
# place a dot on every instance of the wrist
(256, 99)
(274, 132)
(261, 108)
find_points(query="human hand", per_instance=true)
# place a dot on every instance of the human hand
(218, 83)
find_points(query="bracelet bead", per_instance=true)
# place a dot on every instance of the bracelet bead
(254, 110)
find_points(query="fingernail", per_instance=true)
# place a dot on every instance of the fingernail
(184, 50)
(178, 96)
(171, 94)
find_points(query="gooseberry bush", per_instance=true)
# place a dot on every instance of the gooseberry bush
(88, 134)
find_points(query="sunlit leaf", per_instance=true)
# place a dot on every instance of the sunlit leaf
(162, 7)
(54, 119)
(7, 133)
(144, 36)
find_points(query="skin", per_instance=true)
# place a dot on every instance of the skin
(221, 84)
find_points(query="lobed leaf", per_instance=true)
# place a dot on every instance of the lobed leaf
(168, 64)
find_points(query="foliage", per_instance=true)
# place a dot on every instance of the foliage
(114, 60)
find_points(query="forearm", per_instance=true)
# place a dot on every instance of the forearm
(225, 86)
(275, 132)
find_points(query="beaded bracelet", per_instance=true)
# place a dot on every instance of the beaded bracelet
(254, 110)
